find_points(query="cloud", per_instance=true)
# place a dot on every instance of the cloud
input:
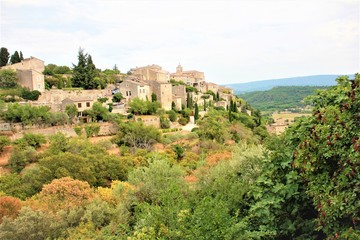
(229, 40)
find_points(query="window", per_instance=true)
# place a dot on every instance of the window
(87, 104)
(79, 105)
(129, 93)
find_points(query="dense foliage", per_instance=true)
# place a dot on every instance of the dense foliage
(280, 98)
(223, 181)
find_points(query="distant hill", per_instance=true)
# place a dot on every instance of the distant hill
(316, 80)
(280, 98)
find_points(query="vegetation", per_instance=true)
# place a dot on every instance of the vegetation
(141, 107)
(4, 56)
(226, 180)
(280, 98)
(85, 73)
(8, 78)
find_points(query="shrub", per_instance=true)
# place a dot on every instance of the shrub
(4, 141)
(30, 140)
(164, 123)
(78, 130)
(183, 121)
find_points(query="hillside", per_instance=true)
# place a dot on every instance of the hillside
(315, 80)
(280, 98)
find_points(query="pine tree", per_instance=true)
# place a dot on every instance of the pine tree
(15, 58)
(4, 56)
(79, 76)
(85, 72)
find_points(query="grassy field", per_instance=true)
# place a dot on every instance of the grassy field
(287, 117)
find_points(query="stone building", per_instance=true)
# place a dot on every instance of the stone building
(163, 91)
(192, 78)
(211, 87)
(81, 104)
(30, 73)
(151, 73)
(132, 87)
(179, 92)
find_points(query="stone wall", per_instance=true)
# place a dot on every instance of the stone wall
(54, 97)
(106, 129)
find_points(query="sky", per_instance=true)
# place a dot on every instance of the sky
(230, 41)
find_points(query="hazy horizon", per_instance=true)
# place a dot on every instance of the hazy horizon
(230, 41)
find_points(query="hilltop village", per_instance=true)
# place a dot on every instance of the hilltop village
(148, 83)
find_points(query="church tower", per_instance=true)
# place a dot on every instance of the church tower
(179, 69)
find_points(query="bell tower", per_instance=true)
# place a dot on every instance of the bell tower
(179, 69)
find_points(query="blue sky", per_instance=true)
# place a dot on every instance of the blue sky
(231, 41)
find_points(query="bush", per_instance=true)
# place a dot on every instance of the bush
(78, 130)
(30, 95)
(30, 140)
(172, 115)
(21, 157)
(164, 123)
(4, 141)
(183, 121)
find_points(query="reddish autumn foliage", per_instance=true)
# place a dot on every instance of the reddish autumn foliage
(62, 194)
(9, 207)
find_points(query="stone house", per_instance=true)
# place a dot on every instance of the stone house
(81, 104)
(131, 88)
(30, 73)
(211, 87)
(193, 78)
(179, 95)
(151, 73)
(163, 91)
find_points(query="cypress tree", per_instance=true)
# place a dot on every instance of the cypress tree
(21, 56)
(204, 105)
(188, 100)
(230, 115)
(217, 96)
(4, 56)
(154, 98)
(15, 58)
(196, 115)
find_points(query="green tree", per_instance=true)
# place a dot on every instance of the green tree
(196, 114)
(4, 56)
(8, 78)
(30, 95)
(72, 111)
(15, 58)
(327, 154)
(189, 101)
(85, 74)
(153, 97)
(172, 115)
(117, 97)
(136, 135)
(21, 56)
(214, 126)
(80, 74)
